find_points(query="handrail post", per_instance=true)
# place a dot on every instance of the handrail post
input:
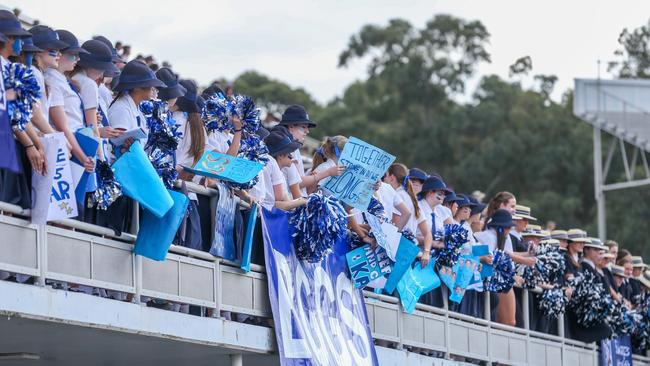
(135, 227)
(525, 309)
(41, 254)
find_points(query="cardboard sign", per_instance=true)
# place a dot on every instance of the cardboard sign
(53, 195)
(365, 165)
(225, 167)
(464, 269)
(136, 134)
(416, 282)
(481, 250)
(367, 265)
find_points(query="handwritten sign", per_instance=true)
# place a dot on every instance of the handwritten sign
(53, 195)
(367, 265)
(365, 165)
(225, 167)
(416, 282)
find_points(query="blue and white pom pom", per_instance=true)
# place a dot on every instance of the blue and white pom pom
(454, 238)
(553, 302)
(641, 333)
(108, 188)
(163, 139)
(376, 209)
(621, 320)
(217, 112)
(589, 300)
(317, 226)
(503, 277)
(21, 79)
(408, 235)
(550, 263)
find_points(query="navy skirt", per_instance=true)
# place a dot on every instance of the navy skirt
(16, 188)
(472, 304)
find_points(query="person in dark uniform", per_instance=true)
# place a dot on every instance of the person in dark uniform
(637, 270)
(521, 218)
(592, 254)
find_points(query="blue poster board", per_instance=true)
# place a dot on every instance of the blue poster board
(367, 264)
(225, 167)
(365, 165)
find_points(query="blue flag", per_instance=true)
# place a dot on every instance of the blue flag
(406, 253)
(86, 181)
(320, 318)
(156, 234)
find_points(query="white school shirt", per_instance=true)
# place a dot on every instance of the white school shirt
(220, 141)
(183, 157)
(441, 216)
(292, 176)
(105, 97)
(300, 168)
(274, 175)
(42, 101)
(88, 90)
(443, 213)
(412, 223)
(389, 199)
(425, 212)
(62, 95)
(470, 233)
(125, 114)
(489, 237)
(323, 167)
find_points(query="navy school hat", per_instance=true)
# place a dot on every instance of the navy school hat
(262, 133)
(114, 55)
(172, 89)
(419, 174)
(432, 183)
(501, 218)
(452, 197)
(479, 207)
(72, 44)
(189, 101)
(98, 57)
(465, 201)
(137, 75)
(280, 144)
(46, 38)
(10, 25)
(28, 45)
(296, 114)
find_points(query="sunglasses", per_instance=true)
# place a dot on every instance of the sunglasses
(71, 56)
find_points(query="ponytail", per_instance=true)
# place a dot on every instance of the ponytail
(400, 171)
(197, 135)
(501, 237)
(331, 148)
(117, 96)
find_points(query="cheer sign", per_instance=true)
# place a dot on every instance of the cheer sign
(365, 165)
(225, 167)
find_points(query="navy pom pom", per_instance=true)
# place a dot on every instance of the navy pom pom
(454, 237)
(163, 139)
(503, 277)
(108, 188)
(588, 301)
(317, 226)
(21, 79)
(552, 302)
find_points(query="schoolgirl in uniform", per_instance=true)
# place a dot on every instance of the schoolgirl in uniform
(296, 119)
(281, 148)
(16, 177)
(325, 161)
(65, 110)
(397, 177)
(451, 205)
(496, 236)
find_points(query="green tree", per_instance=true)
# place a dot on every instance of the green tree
(633, 58)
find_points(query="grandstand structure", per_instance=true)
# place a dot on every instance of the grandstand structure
(619, 108)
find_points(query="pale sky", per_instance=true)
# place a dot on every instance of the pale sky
(298, 42)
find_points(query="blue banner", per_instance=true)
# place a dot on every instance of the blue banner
(365, 165)
(225, 167)
(320, 318)
(616, 352)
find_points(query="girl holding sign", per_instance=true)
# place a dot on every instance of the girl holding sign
(326, 162)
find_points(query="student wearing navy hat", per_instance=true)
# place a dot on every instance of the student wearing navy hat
(48, 41)
(496, 236)
(172, 89)
(87, 75)
(281, 147)
(450, 207)
(16, 176)
(417, 178)
(105, 93)
(296, 119)
(137, 83)
(65, 107)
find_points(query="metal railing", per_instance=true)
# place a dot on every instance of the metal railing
(86, 254)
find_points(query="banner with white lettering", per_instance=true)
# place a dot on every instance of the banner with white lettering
(616, 352)
(53, 195)
(320, 318)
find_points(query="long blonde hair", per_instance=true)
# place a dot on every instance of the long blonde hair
(401, 173)
(331, 148)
